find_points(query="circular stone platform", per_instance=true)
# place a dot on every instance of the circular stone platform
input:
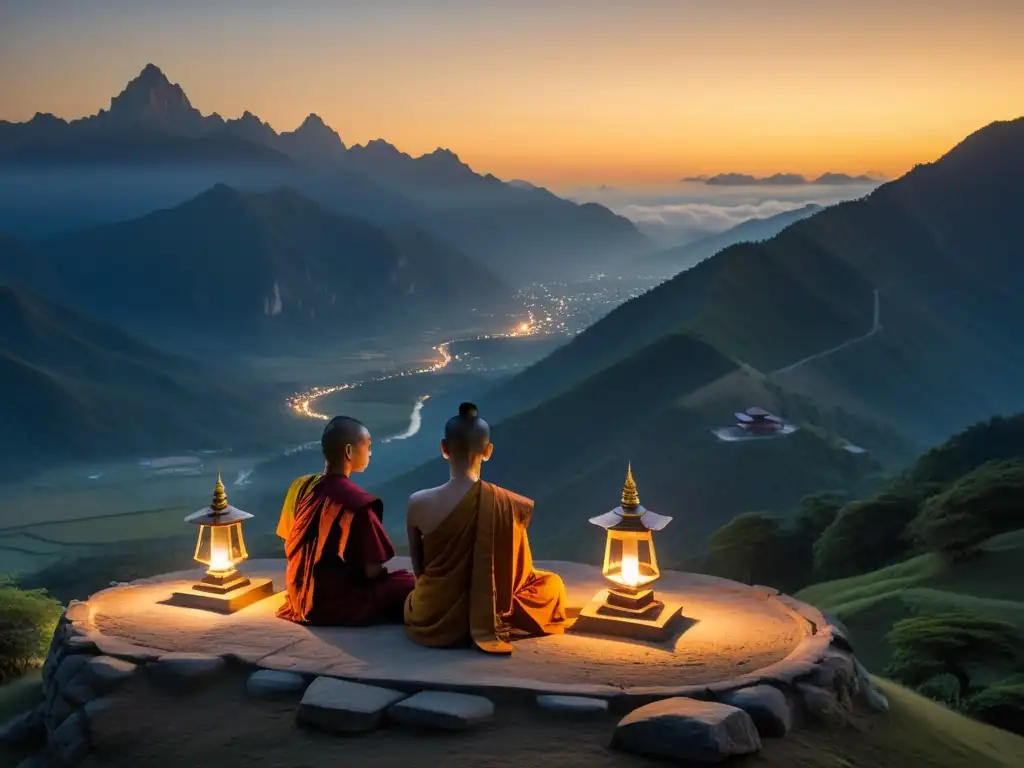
(732, 635)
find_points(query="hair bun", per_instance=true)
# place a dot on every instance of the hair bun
(468, 411)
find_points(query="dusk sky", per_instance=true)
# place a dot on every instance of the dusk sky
(559, 92)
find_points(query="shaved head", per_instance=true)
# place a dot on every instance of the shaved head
(339, 432)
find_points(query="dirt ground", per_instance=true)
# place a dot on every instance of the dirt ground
(220, 728)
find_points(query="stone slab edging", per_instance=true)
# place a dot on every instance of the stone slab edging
(819, 636)
(799, 663)
(820, 675)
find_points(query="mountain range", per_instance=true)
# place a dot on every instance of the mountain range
(152, 149)
(266, 271)
(890, 321)
(781, 179)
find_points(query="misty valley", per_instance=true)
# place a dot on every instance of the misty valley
(819, 381)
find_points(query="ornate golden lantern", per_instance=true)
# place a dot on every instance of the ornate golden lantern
(221, 547)
(629, 607)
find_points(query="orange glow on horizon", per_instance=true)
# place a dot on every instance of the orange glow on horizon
(640, 93)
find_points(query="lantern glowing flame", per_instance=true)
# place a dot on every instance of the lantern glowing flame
(220, 546)
(629, 560)
(630, 575)
(629, 607)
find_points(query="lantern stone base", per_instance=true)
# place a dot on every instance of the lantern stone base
(227, 602)
(655, 621)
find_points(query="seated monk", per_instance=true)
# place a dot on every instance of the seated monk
(475, 580)
(335, 541)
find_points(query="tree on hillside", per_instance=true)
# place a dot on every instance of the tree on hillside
(816, 513)
(27, 621)
(866, 535)
(927, 646)
(979, 505)
(747, 548)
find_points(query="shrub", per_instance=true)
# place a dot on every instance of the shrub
(925, 647)
(982, 503)
(866, 535)
(746, 548)
(1001, 705)
(27, 621)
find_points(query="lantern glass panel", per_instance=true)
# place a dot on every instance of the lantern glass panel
(220, 547)
(629, 559)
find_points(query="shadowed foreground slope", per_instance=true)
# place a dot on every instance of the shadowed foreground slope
(164, 733)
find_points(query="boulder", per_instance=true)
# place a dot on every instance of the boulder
(69, 669)
(577, 706)
(835, 669)
(440, 709)
(182, 670)
(107, 673)
(272, 684)
(767, 707)
(57, 712)
(338, 706)
(821, 704)
(26, 728)
(70, 742)
(79, 690)
(687, 731)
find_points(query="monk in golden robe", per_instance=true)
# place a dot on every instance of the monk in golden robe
(335, 541)
(475, 580)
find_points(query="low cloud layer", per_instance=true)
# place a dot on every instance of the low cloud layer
(674, 217)
(704, 217)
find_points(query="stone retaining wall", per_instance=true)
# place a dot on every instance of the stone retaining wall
(84, 671)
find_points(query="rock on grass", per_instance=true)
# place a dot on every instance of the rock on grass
(688, 731)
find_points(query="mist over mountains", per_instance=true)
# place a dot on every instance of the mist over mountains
(267, 270)
(152, 149)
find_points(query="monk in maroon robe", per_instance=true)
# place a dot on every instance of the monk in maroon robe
(335, 541)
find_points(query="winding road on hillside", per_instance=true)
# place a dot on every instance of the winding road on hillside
(876, 326)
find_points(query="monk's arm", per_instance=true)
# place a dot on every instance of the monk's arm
(415, 541)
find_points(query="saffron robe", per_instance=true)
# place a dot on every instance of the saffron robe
(332, 530)
(478, 583)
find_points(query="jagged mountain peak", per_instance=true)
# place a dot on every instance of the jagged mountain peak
(314, 140)
(150, 99)
(313, 121)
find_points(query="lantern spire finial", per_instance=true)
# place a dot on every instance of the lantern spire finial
(220, 497)
(630, 497)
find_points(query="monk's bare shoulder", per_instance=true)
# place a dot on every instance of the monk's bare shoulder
(421, 501)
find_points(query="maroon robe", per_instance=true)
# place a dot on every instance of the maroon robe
(336, 533)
